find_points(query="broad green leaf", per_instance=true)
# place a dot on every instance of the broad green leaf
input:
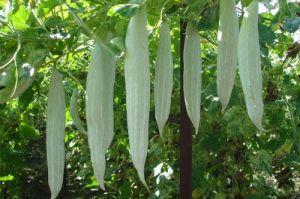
(29, 132)
(46, 6)
(19, 19)
(266, 35)
(292, 24)
(125, 10)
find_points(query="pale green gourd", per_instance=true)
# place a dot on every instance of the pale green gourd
(250, 64)
(75, 112)
(227, 50)
(163, 77)
(25, 80)
(7, 84)
(55, 133)
(26, 76)
(192, 74)
(137, 79)
(99, 107)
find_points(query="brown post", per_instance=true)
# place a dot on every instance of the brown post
(186, 131)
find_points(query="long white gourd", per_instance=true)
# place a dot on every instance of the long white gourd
(192, 74)
(55, 133)
(75, 112)
(99, 107)
(227, 50)
(163, 77)
(250, 64)
(137, 79)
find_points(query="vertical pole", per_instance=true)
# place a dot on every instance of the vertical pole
(186, 131)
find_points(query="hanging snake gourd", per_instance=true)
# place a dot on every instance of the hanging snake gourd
(250, 64)
(163, 77)
(55, 133)
(137, 79)
(192, 74)
(99, 107)
(227, 50)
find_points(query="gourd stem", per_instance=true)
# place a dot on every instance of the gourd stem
(186, 131)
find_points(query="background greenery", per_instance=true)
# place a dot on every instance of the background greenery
(231, 159)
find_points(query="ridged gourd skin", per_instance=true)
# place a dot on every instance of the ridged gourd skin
(192, 74)
(55, 133)
(227, 50)
(137, 80)
(99, 107)
(250, 64)
(75, 112)
(163, 84)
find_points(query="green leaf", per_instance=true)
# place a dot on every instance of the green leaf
(26, 97)
(285, 148)
(266, 35)
(3, 3)
(210, 18)
(125, 191)
(213, 142)
(262, 160)
(46, 6)
(125, 10)
(292, 25)
(246, 3)
(54, 22)
(93, 183)
(19, 19)
(29, 132)
(6, 178)
(117, 46)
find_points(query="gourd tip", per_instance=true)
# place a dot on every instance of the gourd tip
(160, 129)
(261, 128)
(142, 178)
(223, 109)
(53, 196)
(102, 186)
(196, 130)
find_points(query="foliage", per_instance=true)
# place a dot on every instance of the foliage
(231, 159)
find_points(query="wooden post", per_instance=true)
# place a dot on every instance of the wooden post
(186, 131)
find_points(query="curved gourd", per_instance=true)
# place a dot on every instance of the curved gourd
(163, 77)
(137, 79)
(75, 112)
(192, 74)
(227, 50)
(99, 107)
(250, 64)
